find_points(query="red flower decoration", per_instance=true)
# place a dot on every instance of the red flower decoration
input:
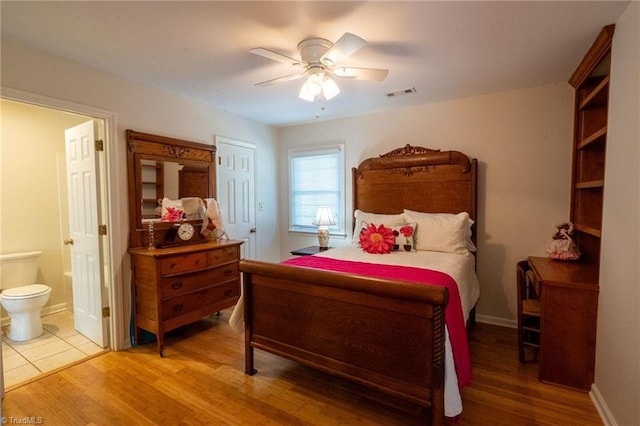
(172, 214)
(377, 239)
(407, 231)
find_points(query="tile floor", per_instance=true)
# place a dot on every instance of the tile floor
(60, 345)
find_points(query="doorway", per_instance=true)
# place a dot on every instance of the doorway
(236, 181)
(34, 192)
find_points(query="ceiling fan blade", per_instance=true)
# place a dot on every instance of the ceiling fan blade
(361, 73)
(282, 79)
(275, 56)
(346, 45)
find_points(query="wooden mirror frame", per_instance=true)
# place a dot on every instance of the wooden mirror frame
(144, 146)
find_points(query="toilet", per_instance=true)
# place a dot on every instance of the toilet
(21, 297)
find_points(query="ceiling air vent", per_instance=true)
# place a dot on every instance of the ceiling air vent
(401, 92)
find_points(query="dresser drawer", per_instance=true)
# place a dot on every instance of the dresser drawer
(191, 302)
(225, 255)
(184, 263)
(180, 284)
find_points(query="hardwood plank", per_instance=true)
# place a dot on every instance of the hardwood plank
(201, 380)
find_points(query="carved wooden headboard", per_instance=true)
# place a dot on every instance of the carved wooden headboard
(417, 178)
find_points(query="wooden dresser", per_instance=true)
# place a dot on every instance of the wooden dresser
(180, 285)
(569, 307)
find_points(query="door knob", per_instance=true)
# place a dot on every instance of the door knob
(68, 242)
(252, 230)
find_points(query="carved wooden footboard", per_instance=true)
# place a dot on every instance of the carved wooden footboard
(385, 334)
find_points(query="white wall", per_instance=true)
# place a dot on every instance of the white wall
(145, 109)
(522, 140)
(618, 349)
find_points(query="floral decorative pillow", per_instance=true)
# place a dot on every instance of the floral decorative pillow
(404, 236)
(172, 210)
(377, 239)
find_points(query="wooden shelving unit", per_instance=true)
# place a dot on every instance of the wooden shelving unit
(569, 290)
(591, 82)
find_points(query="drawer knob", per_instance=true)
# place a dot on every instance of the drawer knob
(228, 272)
(178, 307)
(228, 293)
(176, 285)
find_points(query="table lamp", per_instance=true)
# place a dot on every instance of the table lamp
(324, 219)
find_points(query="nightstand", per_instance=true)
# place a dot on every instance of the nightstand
(308, 251)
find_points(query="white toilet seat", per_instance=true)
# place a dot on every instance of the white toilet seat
(24, 292)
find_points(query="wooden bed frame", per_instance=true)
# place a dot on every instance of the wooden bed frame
(382, 333)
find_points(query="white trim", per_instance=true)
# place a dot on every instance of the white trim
(502, 322)
(335, 146)
(603, 409)
(119, 326)
(236, 142)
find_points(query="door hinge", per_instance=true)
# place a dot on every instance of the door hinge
(99, 145)
(220, 161)
(106, 312)
(102, 229)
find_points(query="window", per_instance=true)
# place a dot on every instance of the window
(316, 179)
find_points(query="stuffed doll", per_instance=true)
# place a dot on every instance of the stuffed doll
(562, 247)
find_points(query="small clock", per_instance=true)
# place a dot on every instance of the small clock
(185, 231)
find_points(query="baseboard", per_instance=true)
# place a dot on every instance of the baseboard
(601, 405)
(503, 322)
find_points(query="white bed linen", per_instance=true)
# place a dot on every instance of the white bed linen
(460, 267)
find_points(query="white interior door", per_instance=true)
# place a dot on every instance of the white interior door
(84, 217)
(236, 192)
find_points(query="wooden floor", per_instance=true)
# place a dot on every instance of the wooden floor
(201, 381)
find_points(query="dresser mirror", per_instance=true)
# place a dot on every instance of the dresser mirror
(163, 171)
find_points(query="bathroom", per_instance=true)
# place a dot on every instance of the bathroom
(33, 204)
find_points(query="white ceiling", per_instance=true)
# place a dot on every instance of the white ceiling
(446, 50)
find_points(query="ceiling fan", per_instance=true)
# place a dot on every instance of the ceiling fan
(320, 61)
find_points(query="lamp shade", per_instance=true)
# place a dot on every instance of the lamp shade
(318, 83)
(329, 88)
(324, 217)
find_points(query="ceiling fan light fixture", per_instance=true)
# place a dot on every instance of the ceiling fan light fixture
(311, 88)
(329, 88)
(316, 84)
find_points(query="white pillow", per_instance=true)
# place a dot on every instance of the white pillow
(446, 232)
(378, 219)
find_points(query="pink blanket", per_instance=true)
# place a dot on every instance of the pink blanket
(453, 311)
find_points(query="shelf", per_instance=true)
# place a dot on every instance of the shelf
(590, 184)
(597, 136)
(598, 96)
(588, 230)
